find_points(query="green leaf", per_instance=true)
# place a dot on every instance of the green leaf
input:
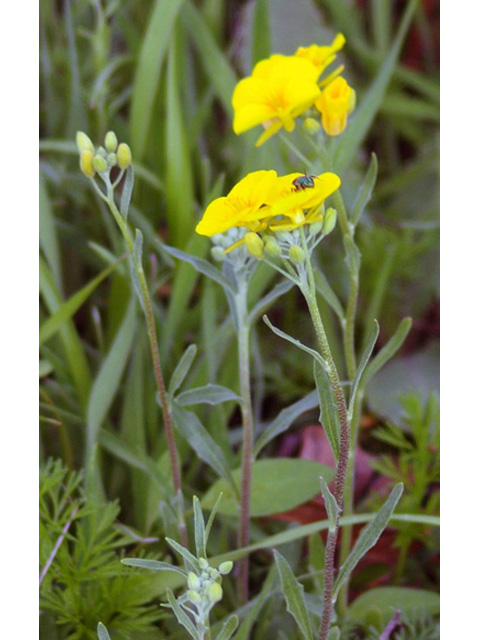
(334, 634)
(67, 309)
(272, 488)
(257, 603)
(199, 529)
(328, 408)
(331, 505)
(365, 191)
(361, 367)
(201, 441)
(389, 350)
(191, 561)
(293, 593)
(102, 632)
(261, 36)
(384, 599)
(371, 102)
(352, 254)
(368, 537)
(263, 304)
(181, 616)
(153, 565)
(325, 290)
(285, 419)
(315, 355)
(108, 378)
(148, 71)
(182, 368)
(48, 234)
(209, 394)
(201, 265)
(127, 191)
(228, 628)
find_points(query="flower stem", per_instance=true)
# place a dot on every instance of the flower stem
(157, 369)
(247, 451)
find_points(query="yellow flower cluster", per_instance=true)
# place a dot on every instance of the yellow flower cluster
(265, 201)
(283, 87)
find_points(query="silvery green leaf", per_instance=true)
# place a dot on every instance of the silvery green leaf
(365, 191)
(201, 265)
(315, 355)
(285, 419)
(228, 628)
(334, 634)
(325, 290)
(209, 394)
(263, 304)
(181, 616)
(293, 593)
(201, 441)
(102, 632)
(389, 350)
(153, 565)
(328, 408)
(199, 528)
(191, 562)
(361, 367)
(138, 248)
(211, 517)
(331, 505)
(127, 192)
(182, 368)
(352, 256)
(368, 537)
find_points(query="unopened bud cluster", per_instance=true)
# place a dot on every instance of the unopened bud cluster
(205, 589)
(101, 159)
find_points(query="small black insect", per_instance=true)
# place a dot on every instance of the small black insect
(304, 182)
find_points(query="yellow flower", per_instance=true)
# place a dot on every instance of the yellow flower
(279, 89)
(321, 57)
(336, 101)
(291, 203)
(244, 206)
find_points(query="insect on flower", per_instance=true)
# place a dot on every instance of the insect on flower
(304, 182)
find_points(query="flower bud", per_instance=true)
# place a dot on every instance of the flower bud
(315, 228)
(218, 254)
(193, 581)
(254, 245)
(84, 143)
(99, 163)
(296, 254)
(311, 126)
(112, 159)
(111, 141)
(329, 221)
(194, 597)
(203, 563)
(86, 163)
(225, 567)
(215, 592)
(124, 155)
(272, 248)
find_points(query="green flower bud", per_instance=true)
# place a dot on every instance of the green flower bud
(203, 563)
(254, 245)
(86, 163)
(272, 247)
(215, 592)
(102, 152)
(99, 163)
(124, 155)
(193, 581)
(218, 254)
(225, 567)
(329, 221)
(311, 126)
(194, 597)
(84, 143)
(315, 227)
(296, 254)
(112, 159)
(213, 573)
(111, 141)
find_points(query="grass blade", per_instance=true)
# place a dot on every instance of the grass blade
(293, 592)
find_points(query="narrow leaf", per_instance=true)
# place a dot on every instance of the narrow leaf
(365, 191)
(102, 632)
(368, 537)
(153, 565)
(199, 527)
(181, 616)
(285, 419)
(211, 518)
(325, 290)
(352, 254)
(127, 191)
(334, 634)
(331, 505)
(361, 367)
(328, 408)
(209, 394)
(67, 309)
(182, 368)
(389, 350)
(201, 265)
(315, 355)
(228, 628)
(48, 234)
(191, 562)
(261, 36)
(293, 592)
